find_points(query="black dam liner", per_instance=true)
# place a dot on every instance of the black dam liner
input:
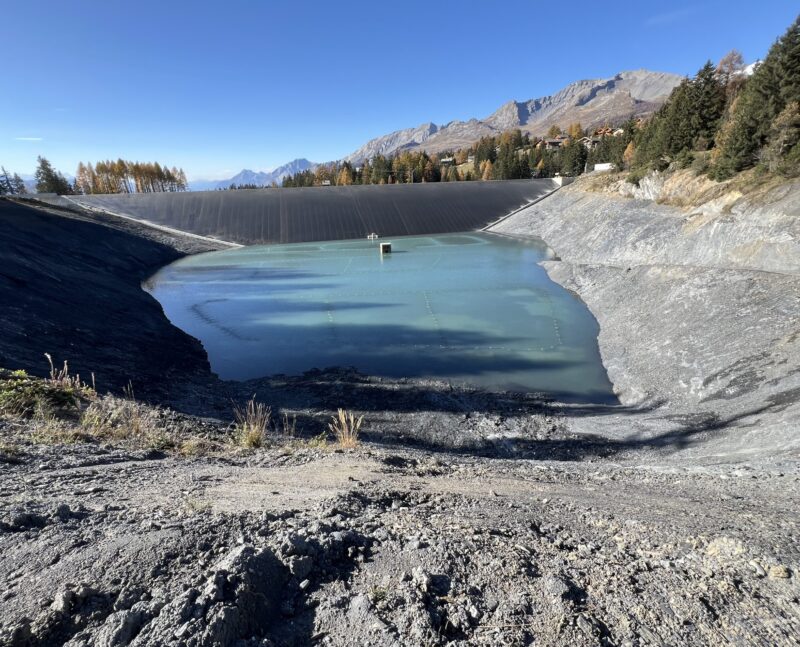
(296, 215)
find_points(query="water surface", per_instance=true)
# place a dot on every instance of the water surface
(470, 308)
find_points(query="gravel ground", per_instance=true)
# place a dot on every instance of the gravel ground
(382, 546)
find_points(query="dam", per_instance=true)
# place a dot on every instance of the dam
(298, 215)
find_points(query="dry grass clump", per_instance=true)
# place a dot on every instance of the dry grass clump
(9, 453)
(196, 446)
(62, 395)
(113, 418)
(288, 426)
(252, 423)
(345, 426)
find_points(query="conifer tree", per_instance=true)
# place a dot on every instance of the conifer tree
(774, 84)
(48, 180)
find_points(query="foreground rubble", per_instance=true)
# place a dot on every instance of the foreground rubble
(295, 545)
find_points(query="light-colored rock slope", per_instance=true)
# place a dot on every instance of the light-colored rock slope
(699, 309)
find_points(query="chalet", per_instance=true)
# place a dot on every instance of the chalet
(552, 143)
(590, 143)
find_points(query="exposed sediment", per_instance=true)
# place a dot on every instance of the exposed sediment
(699, 309)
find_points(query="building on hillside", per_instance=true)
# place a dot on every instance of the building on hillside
(604, 166)
(553, 143)
(447, 160)
(590, 143)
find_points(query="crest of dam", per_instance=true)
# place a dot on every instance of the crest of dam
(310, 214)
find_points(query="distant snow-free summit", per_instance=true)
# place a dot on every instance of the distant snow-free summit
(591, 102)
(256, 178)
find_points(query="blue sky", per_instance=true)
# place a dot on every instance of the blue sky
(215, 87)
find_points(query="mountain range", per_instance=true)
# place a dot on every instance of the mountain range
(257, 178)
(590, 102)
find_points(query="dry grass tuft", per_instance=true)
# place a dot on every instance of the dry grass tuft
(62, 395)
(197, 446)
(288, 426)
(345, 426)
(9, 453)
(113, 418)
(252, 423)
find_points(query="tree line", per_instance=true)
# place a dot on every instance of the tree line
(108, 176)
(122, 176)
(11, 184)
(722, 122)
(511, 155)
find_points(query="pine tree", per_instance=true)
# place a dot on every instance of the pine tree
(775, 83)
(48, 180)
(554, 131)
(707, 107)
(18, 185)
(6, 187)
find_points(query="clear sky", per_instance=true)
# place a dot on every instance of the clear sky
(218, 86)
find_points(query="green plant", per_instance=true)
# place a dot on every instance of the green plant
(378, 594)
(61, 394)
(252, 422)
(345, 426)
(635, 176)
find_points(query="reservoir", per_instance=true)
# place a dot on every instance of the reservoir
(472, 308)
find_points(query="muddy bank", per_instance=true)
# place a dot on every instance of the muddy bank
(696, 321)
(70, 286)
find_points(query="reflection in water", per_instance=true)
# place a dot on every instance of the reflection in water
(474, 308)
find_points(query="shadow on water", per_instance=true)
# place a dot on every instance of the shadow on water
(397, 351)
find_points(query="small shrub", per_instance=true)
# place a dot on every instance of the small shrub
(252, 422)
(635, 176)
(318, 442)
(196, 446)
(121, 419)
(9, 453)
(684, 159)
(345, 426)
(23, 395)
(378, 594)
(701, 163)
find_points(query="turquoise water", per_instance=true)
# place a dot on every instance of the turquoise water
(471, 308)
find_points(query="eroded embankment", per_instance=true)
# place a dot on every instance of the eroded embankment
(70, 286)
(699, 310)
